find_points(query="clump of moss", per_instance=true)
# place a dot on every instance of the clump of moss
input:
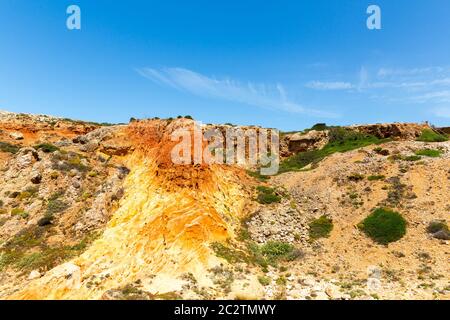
(429, 153)
(429, 135)
(384, 226)
(267, 195)
(320, 228)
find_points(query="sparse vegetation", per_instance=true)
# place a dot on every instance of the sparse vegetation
(267, 195)
(265, 281)
(384, 226)
(376, 177)
(429, 153)
(356, 177)
(412, 158)
(28, 251)
(429, 135)
(19, 212)
(436, 226)
(257, 175)
(56, 206)
(439, 229)
(46, 147)
(229, 254)
(7, 147)
(320, 228)
(63, 161)
(341, 140)
(268, 254)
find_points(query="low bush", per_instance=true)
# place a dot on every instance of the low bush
(384, 226)
(7, 147)
(19, 212)
(429, 153)
(56, 206)
(229, 254)
(439, 230)
(429, 135)
(267, 195)
(257, 175)
(376, 177)
(320, 228)
(265, 281)
(412, 158)
(436, 226)
(355, 177)
(46, 147)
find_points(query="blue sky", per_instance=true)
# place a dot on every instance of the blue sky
(283, 64)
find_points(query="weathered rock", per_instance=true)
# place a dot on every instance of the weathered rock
(35, 274)
(36, 178)
(311, 140)
(16, 135)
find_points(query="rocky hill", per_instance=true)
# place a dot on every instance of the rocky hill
(91, 211)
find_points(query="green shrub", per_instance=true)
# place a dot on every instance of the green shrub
(265, 281)
(229, 254)
(355, 177)
(429, 135)
(29, 192)
(436, 226)
(257, 175)
(429, 153)
(7, 147)
(56, 206)
(267, 195)
(46, 147)
(412, 158)
(376, 177)
(439, 230)
(320, 228)
(319, 127)
(19, 212)
(384, 226)
(274, 251)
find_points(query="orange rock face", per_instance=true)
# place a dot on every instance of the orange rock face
(164, 225)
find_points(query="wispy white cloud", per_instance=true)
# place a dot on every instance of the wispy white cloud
(417, 85)
(319, 85)
(386, 72)
(260, 95)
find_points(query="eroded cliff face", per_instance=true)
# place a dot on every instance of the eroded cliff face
(163, 226)
(102, 212)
